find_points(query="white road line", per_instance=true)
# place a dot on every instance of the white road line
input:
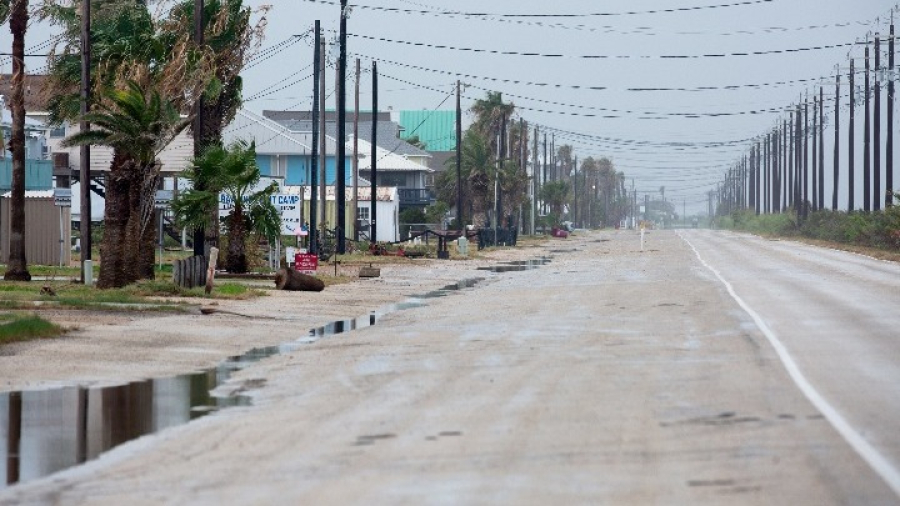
(876, 461)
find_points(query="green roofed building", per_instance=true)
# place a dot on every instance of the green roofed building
(435, 129)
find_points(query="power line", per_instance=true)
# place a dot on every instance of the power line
(544, 15)
(601, 56)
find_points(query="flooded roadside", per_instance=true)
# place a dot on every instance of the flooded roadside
(45, 431)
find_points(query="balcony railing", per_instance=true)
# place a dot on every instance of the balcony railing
(415, 197)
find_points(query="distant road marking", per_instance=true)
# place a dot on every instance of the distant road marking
(862, 447)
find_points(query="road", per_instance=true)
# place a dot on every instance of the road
(709, 368)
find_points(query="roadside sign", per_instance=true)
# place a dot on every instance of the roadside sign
(163, 198)
(62, 197)
(306, 263)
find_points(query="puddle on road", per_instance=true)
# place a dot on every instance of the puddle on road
(522, 265)
(45, 431)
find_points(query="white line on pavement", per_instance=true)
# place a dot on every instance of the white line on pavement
(862, 447)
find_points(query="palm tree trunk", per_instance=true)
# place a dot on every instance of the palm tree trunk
(115, 224)
(236, 258)
(17, 267)
(133, 228)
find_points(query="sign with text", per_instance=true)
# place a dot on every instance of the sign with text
(306, 263)
(290, 207)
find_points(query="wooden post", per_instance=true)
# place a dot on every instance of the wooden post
(211, 269)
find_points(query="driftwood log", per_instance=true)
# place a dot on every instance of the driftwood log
(291, 280)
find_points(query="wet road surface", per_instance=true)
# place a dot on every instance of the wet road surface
(606, 376)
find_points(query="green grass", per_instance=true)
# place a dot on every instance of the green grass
(879, 230)
(14, 328)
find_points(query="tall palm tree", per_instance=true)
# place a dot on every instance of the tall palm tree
(137, 123)
(17, 266)
(229, 38)
(129, 45)
(489, 113)
(231, 171)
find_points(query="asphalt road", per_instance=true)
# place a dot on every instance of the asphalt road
(834, 318)
(609, 376)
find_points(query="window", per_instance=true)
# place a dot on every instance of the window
(58, 132)
(362, 213)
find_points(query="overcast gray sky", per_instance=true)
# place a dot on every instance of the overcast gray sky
(612, 119)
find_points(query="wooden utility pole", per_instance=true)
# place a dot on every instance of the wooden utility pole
(341, 169)
(355, 173)
(374, 186)
(837, 141)
(314, 162)
(459, 190)
(851, 177)
(821, 133)
(323, 154)
(889, 159)
(199, 125)
(876, 145)
(867, 145)
(815, 145)
(84, 126)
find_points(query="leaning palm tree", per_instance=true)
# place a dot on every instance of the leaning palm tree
(17, 266)
(233, 173)
(137, 123)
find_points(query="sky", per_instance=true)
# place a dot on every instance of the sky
(598, 75)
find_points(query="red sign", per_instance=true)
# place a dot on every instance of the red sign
(306, 263)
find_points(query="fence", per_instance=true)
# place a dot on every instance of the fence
(190, 272)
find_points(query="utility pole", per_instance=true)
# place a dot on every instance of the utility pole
(374, 200)
(867, 146)
(575, 186)
(355, 173)
(851, 177)
(767, 177)
(805, 175)
(459, 189)
(314, 162)
(757, 163)
(815, 139)
(341, 169)
(323, 154)
(785, 156)
(199, 232)
(889, 160)
(544, 172)
(752, 183)
(837, 140)
(821, 133)
(792, 176)
(798, 162)
(534, 178)
(876, 146)
(85, 168)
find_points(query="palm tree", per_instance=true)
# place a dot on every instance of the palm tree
(137, 123)
(228, 37)
(231, 171)
(17, 266)
(556, 195)
(489, 115)
(128, 45)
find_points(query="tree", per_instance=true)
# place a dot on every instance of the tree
(137, 124)
(489, 114)
(478, 172)
(231, 171)
(17, 266)
(556, 195)
(130, 46)
(228, 38)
